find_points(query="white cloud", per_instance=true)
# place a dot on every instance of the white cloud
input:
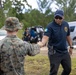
(33, 3)
(54, 7)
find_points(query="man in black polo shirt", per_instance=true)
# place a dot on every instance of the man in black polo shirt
(57, 33)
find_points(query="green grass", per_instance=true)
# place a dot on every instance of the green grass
(39, 65)
(20, 33)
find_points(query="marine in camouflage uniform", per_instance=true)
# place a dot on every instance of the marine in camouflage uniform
(13, 50)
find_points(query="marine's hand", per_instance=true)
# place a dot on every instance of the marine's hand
(40, 44)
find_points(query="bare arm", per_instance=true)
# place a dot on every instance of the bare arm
(70, 44)
(69, 40)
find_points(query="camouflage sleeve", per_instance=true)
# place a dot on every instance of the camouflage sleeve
(0, 53)
(32, 49)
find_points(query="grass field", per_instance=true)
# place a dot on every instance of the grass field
(20, 33)
(39, 65)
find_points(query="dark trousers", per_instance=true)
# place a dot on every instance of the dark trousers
(1, 72)
(57, 59)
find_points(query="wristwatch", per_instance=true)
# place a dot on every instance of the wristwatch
(71, 47)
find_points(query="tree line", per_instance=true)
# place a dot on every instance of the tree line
(41, 16)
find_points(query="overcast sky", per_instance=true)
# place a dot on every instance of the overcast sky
(33, 3)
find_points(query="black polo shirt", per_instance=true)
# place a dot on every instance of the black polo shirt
(57, 35)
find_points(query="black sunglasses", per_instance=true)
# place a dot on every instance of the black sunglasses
(58, 17)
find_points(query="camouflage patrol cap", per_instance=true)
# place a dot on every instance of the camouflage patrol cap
(12, 24)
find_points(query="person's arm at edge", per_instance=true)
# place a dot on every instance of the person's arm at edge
(70, 44)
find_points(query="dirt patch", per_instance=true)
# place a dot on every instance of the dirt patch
(44, 51)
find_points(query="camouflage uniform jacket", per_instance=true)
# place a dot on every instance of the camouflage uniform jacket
(12, 52)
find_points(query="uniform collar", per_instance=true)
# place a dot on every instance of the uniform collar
(57, 24)
(12, 36)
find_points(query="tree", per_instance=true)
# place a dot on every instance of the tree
(2, 18)
(32, 18)
(44, 6)
(11, 8)
(14, 6)
(69, 7)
